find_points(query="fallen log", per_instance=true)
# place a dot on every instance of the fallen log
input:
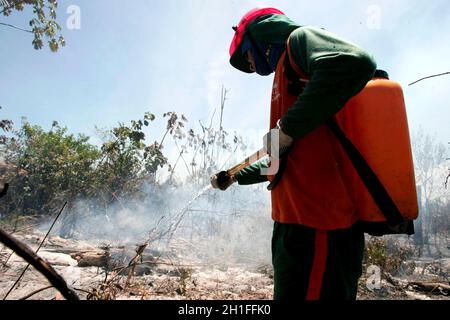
(37, 262)
(99, 259)
(430, 287)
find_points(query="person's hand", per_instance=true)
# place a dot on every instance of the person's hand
(222, 180)
(274, 149)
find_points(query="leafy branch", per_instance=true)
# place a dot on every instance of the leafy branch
(43, 25)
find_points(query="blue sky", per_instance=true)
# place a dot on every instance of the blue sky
(130, 57)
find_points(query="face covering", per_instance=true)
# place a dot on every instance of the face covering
(266, 55)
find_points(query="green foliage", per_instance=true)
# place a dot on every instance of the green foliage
(57, 165)
(43, 25)
(5, 125)
(46, 168)
(53, 165)
(127, 161)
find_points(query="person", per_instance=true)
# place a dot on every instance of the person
(317, 247)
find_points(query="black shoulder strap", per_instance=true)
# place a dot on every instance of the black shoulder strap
(376, 189)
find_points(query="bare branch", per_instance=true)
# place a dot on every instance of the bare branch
(181, 155)
(433, 76)
(41, 265)
(14, 27)
(40, 245)
(447, 180)
(35, 292)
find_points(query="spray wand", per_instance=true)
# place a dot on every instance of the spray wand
(248, 161)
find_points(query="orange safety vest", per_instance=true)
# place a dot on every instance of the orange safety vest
(320, 187)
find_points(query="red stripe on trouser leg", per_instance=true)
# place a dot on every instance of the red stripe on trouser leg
(318, 268)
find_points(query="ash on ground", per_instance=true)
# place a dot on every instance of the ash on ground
(180, 270)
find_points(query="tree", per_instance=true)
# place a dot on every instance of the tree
(126, 160)
(43, 25)
(58, 166)
(429, 161)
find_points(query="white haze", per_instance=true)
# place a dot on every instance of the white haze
(228, 227)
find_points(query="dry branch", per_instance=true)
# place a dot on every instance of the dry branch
(41, 265)
(7, 259)
(15, 27)
(40, 245)
(432, 76)
(447, 180)
(35, 292)
(134, 261)
(430, 287)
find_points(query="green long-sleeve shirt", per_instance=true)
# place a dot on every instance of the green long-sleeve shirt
(338, 70)
(252, 174)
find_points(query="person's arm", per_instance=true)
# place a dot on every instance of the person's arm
(338, 71)
(252, 173)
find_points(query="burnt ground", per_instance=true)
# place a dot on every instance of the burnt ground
(103, 271)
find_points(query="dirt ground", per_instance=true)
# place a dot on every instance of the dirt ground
(98, 271)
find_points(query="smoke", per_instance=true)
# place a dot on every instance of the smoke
(197, 222)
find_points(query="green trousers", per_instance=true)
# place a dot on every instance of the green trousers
(310, 264)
